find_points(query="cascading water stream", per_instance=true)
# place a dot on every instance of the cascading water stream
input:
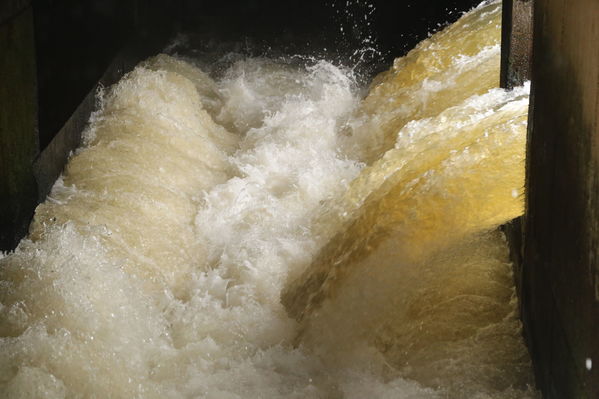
(268, 233)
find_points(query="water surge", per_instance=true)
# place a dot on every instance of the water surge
(269, 231)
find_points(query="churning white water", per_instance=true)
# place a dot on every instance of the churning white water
(155, 268)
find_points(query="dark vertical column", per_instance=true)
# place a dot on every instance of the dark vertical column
(516, 42)
(516, 58)
(560, 292)
(18, 121)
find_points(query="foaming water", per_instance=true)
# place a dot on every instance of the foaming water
(155, 269)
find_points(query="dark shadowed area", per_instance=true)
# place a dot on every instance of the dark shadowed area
(76, 40)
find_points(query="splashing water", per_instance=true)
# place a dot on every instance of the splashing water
(156, 267)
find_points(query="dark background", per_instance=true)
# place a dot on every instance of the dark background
(77, 39)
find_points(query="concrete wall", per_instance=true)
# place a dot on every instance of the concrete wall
(560, 270)
(18, 121)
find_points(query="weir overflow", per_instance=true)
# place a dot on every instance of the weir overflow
(275, 229)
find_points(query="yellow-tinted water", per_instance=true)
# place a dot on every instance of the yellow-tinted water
(157, 266)
(440, 72)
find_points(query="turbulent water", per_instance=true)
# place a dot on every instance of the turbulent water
(265, 232)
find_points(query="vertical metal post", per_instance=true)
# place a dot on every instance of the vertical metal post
(516, 59)
(516, 39)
